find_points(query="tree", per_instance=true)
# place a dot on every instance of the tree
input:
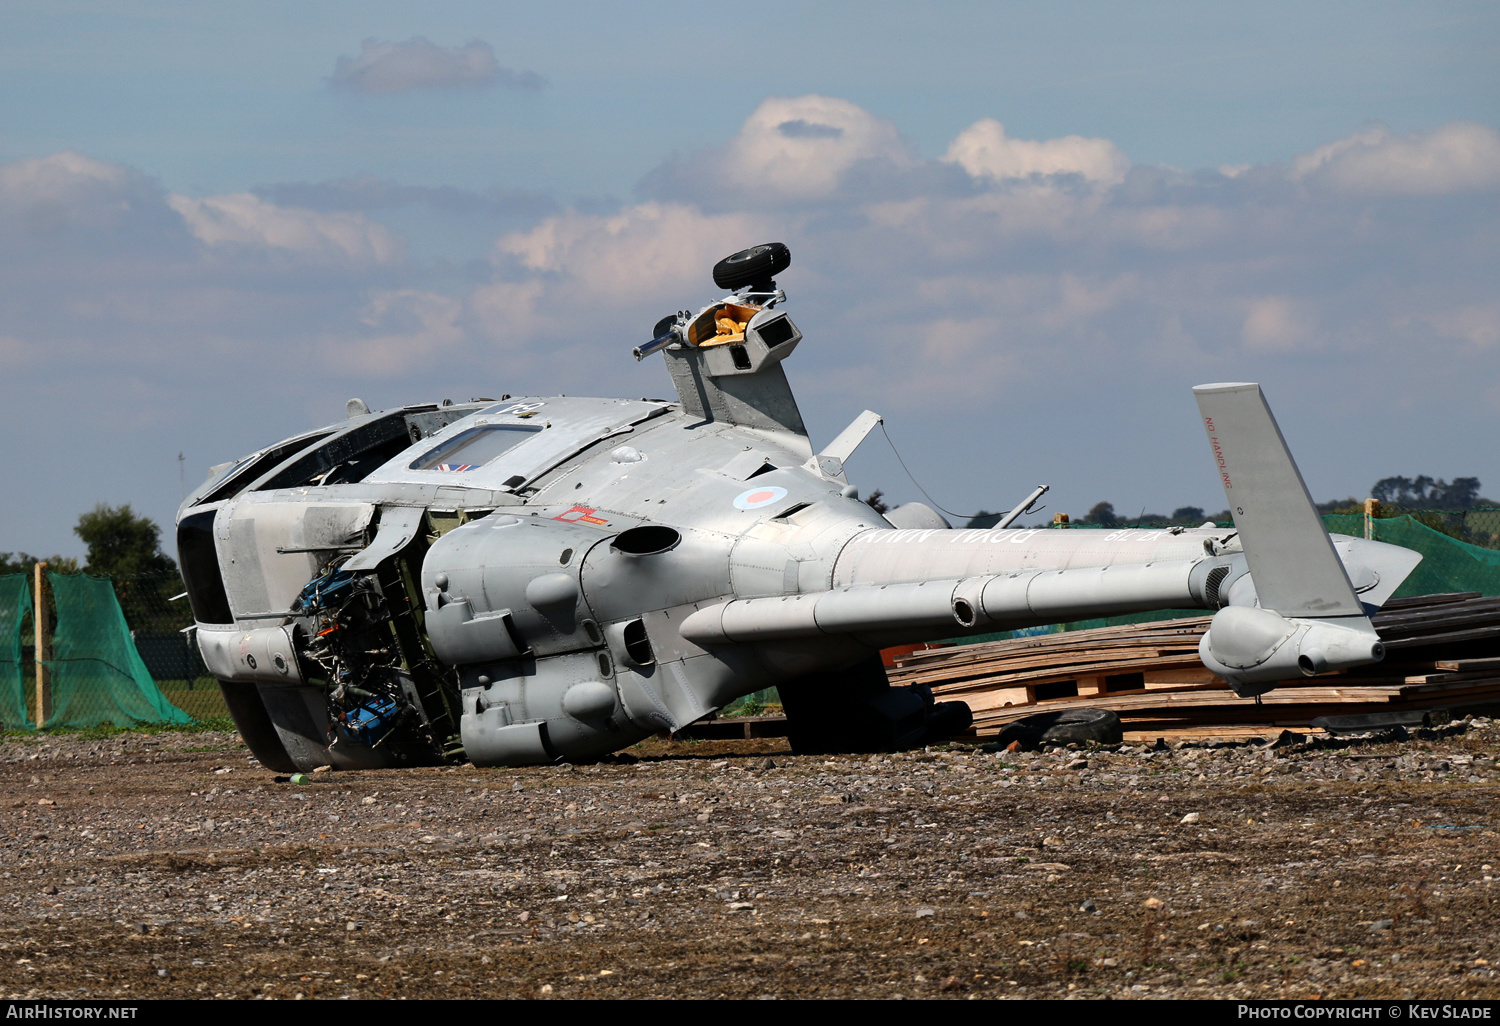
(877, 502)
(1188, 515)
(1423, 491)
(122, 544)
(1102, 514)
(23, 562)
(127, 548)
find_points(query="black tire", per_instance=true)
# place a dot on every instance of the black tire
(754, 266)
(1068, 726)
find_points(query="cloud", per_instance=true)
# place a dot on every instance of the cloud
(577, 274)
(1458, 157)
(402, 330)
(1475, 323)
(1276, 324)
(248, 221)
(369, 192)
(999, 285)
(985, 151)
(801, 147)
(65, 177)
(419, 63)
(67, 197)
(790, 149)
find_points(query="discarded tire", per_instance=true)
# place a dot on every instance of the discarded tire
(1067, 726)
(754, 266)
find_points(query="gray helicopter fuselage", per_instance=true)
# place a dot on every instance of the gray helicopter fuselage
(546, 577)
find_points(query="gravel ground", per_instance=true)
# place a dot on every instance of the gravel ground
(173, 865)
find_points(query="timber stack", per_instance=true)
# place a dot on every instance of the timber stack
(1440, 655)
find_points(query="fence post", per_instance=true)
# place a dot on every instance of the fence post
(1372, 506)
(39, 617)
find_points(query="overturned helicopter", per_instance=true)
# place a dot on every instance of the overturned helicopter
(537, 579)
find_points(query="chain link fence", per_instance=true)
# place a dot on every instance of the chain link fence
(1479, 526)
(115, 653)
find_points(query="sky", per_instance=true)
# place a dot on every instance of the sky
(1020, 232)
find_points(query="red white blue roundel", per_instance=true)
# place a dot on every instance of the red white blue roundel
(755, 498)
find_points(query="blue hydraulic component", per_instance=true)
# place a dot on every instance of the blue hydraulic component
(371, 720)
(322, 590)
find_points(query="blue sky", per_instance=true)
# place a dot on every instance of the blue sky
(1021, 231)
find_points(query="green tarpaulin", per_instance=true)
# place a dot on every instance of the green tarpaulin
(97, 675)
(15, 601)
(1447, 563)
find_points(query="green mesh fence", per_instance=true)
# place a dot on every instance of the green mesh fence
(97, 676)
(15, 602)
(1448, 564)
(1479, 525)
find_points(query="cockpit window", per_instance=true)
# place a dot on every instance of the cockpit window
(475, 447)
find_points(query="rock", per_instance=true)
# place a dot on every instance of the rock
(1382, 924)
(1089, 906)
(1191, 817)
(926, 913)
(1154, 904)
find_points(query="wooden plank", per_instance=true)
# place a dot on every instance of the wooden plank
(1440, 598)
(1041, 677)
(1477, 634)
(1464, 665)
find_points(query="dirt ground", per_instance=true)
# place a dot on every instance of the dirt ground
(173, 865)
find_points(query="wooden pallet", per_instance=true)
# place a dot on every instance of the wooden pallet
(1151, 675)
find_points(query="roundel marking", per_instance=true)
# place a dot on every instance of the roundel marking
(758, 497)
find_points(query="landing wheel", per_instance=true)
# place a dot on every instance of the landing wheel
(755, 266)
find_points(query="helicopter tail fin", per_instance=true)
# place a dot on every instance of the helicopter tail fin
(1309, 620)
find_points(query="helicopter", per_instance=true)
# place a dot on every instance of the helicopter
(535, 579)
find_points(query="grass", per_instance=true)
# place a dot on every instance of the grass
(108, 730)
(201, 699)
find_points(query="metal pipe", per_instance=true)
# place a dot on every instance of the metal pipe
(1024, 505)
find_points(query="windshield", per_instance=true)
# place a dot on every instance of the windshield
(475, 447)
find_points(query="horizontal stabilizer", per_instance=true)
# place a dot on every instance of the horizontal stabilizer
(830, 462)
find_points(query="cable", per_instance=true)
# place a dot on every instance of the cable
(957, 516)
